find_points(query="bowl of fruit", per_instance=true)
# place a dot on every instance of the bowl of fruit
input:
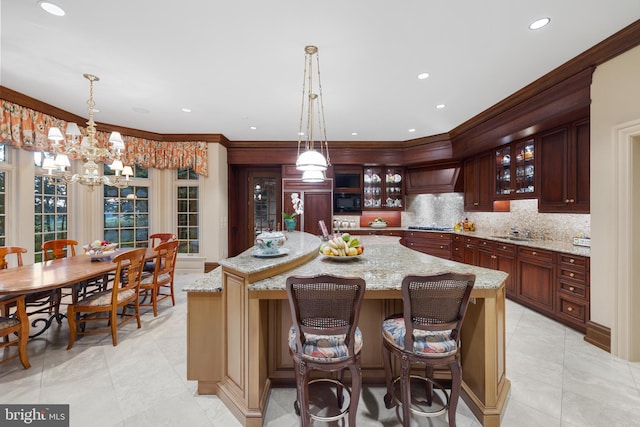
(378, 223)
(341, 247)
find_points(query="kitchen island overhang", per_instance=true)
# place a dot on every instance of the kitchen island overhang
(254, 320)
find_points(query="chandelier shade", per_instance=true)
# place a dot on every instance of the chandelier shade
(88, 149)
(312, 123)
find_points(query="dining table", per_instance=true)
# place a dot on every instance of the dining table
(56, 274)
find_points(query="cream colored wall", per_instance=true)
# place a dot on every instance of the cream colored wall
(214, 209)
(615, 95)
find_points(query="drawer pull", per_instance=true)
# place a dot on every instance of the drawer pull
(569, 308)
(493, 257)
(571, 288)
(441, 247)
(534, 253)
(504, 247)
(572, 260)
(566, 200)
(571, 275)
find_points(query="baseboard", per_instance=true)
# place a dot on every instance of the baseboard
(598, 335)
(189, 263)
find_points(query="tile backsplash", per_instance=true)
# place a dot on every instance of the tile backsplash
(447, 209)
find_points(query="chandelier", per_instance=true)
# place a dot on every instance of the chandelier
(311, 162)
(87, 148)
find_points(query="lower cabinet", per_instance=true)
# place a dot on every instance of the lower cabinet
(536, 278)
(432, 243)
(552, 283)
(372, 232)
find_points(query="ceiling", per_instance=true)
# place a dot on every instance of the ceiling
(238, 64)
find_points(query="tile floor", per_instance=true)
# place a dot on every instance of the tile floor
(557, 379)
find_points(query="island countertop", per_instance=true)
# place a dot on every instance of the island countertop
(383, 265)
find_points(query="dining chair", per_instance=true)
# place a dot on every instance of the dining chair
(426, 333)
(57, 249)
(324, 337)
(17, 324)
(124, 292)
(45, 300)
(154, 240)
(159, 286)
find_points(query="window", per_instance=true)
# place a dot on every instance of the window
(188, 211)
(126, 216)
(50, 213)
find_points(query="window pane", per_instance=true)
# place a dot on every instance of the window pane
(50, 210)
(188, 218)
(126, 218)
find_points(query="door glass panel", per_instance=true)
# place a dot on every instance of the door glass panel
(265, 207)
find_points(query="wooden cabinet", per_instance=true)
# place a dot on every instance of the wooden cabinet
(564, 178)
(572, 303)
(535, 279)
(432, 243)
(515, 170)
(478, 183)
(375, 232)
(499, 256)
(441, 178)
(457, 253)
(317, 199)
(383, 188)
(470, 250)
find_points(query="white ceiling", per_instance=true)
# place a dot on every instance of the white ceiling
(238, 64)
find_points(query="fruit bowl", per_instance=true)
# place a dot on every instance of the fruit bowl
(377, 224)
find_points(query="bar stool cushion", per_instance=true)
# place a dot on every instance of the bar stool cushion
(325, 348)
(7, 322)
(426, 343)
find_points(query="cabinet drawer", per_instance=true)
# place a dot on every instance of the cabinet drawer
(427, 236)
(572, 275)
(572, 309)
(505, 249)
(428, 247)
(574, 289)
(534, 253)
(486, 244)
(572, 262)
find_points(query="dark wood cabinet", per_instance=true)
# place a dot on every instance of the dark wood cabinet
(499, 256)
(383, 188)
(441, 178)
(478, 183)
(375, 232)
(457, 253)
(536, 279)
(564, 178)
(572, 303)
(317, 199)
(470, 250)
(515, 170)
(432, 243)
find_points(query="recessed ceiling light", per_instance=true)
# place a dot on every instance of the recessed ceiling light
(440, 106)
(300, 133)
(354, 133)
(253, 127)
(186, 110)
(412, 130)
(423, 76)
(539, 23)
(51, 8)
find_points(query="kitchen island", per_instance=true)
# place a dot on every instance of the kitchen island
(237, 345)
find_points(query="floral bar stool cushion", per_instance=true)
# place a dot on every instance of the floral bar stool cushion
(426, 343)
(325, 348)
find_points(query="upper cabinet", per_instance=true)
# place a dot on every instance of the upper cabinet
(383, 188)
(564, 169)
(478, 180)
(515, 170)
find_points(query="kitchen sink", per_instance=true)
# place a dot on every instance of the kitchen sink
(514, 238)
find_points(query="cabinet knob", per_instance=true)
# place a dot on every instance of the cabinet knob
(504, 247)
(534, 253)
(484, 243)
(475, 204)
(572, 260)
(571, 201)
(569, 308)
(455, 249)
(493, 257)
(571, 275)
(441, 247)
(566, 200)
(571, 288)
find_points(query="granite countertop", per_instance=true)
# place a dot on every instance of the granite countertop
(383, 265)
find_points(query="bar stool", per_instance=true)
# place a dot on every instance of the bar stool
(324, 337)
(426, 333)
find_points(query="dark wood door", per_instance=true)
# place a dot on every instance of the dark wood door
(536, 279)
(317, 206)
(507, 263)
(552, 155)
(579, 175)
(478, 183)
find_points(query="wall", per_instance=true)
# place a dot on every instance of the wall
(447, 209)
(615, 94)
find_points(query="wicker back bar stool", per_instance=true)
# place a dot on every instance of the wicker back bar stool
(427, 333)
(324, 337)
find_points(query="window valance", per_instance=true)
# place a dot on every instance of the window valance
(26, 128)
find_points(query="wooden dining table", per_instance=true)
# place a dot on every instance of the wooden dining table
(56, 274)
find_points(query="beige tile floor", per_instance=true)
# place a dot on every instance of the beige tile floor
(557, 379)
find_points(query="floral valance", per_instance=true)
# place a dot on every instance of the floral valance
(25, 128)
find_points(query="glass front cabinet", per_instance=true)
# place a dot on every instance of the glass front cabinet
(515, 170)
(383, 188)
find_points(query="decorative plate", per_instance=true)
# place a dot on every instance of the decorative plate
(340, 258)
(281, 252)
